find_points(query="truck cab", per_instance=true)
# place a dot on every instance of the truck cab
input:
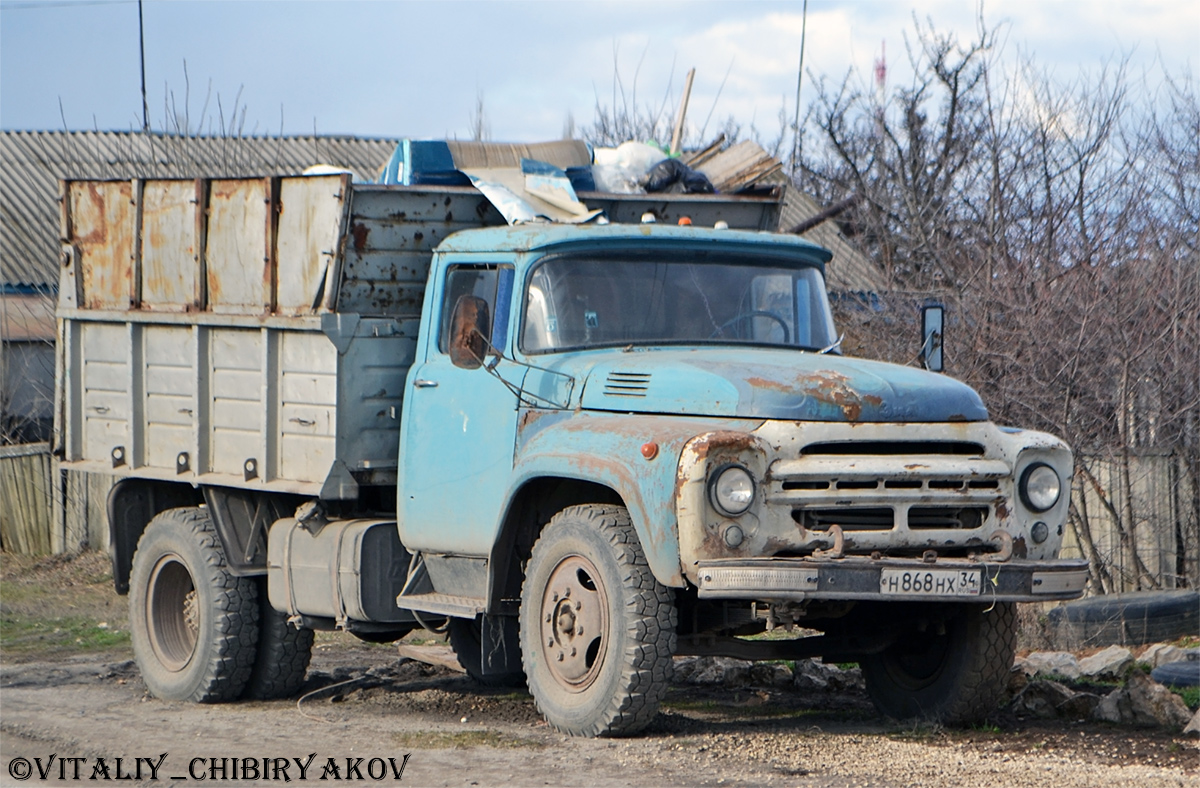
(688, 380)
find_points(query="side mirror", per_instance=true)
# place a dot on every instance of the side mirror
(470, 330)
(932, 321)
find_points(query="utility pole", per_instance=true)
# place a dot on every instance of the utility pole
(799, 80)
(142, 61)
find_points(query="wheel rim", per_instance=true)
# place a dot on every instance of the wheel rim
(172, 613)
(574, 618)
(919, 660)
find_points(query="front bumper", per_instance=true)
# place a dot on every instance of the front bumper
(856, 577)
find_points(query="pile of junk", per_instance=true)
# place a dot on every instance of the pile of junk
(543, 181)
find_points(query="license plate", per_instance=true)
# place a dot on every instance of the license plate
(930, 582)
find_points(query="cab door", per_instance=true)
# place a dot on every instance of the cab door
(459, 428)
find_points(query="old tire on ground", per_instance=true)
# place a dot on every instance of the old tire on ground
(466, 638)
(1128, 619)
(955, 677)
(597, 628)
(194, 625)
(282, 654)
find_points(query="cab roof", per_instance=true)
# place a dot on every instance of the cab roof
(533, 237)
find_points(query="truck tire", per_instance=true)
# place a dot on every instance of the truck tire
(955, 678)
(466, 638)
(282, 655)
(194, 625)
(1128, 619)
(597, 628)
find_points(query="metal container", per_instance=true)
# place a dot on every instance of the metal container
(346, 570)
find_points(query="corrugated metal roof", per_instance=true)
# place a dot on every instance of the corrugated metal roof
(850, 269)
(32, 162)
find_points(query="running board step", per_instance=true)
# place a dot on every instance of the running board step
(443, 604)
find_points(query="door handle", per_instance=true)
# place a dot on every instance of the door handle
(421, 383)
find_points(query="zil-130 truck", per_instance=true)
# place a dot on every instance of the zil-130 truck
(582, 450)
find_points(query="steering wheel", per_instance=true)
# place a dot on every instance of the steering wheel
(748, 315)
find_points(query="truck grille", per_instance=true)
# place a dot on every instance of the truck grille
(895, 448)
(943, 493)
(920, 518)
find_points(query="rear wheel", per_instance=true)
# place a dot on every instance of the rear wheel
(194, 625)
(952, 671)
(282, 656)
(597, 628)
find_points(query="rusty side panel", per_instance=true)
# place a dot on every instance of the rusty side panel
(102, 231)
(237, 246)
(169, 246)
(311, 212)
(389, 243)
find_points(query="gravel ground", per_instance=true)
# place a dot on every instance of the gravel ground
(82, 696)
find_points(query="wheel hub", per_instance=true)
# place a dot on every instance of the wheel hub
(574, 620)
(172, 613)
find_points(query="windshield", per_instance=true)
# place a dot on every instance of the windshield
(700, 298)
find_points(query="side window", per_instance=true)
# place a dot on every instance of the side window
(491, 283)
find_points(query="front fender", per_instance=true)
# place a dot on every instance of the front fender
(606, 448)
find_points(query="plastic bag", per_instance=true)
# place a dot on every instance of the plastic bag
(673, 175)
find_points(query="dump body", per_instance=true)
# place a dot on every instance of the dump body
(256, 333)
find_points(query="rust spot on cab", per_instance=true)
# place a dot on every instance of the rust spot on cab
(773, 385)
(1002, 512)
(832, 388)
(723, 439)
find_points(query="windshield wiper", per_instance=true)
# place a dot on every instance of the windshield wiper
(834, 346)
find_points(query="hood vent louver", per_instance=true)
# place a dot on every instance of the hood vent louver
(627, 384)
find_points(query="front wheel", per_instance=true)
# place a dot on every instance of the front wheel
(194, 625)
(952, 670)
(597, 628)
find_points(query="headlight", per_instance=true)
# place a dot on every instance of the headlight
(732, 490)
(1040, 487)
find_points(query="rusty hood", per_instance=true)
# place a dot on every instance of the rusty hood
(770, 384)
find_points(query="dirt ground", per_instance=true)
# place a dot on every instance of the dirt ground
(69, 688)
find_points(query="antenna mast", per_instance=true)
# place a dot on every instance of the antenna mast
(142, 61)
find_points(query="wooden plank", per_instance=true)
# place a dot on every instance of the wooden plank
(441, 656)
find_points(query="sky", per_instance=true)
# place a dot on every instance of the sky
(419, 69)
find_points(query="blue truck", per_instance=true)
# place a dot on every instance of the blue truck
(581, 450)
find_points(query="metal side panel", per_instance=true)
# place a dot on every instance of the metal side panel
(237, 246)
(100, 225)
(371, 373)
(170, 250)
(105, 392)
(169, 376)
(237, 414)
(311, 215)
(391, 235)
(307, 406)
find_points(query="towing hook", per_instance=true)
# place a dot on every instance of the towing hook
(839, 544)
(1005, 548)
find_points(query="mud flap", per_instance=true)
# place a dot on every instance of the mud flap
(501, 645)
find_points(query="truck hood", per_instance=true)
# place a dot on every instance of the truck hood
(768, 384)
